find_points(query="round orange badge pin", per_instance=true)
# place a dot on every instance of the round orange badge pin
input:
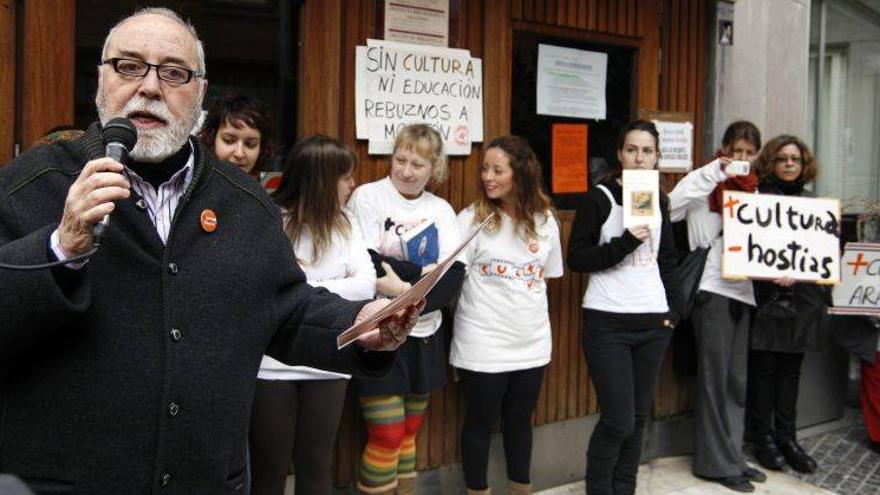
(209, 221)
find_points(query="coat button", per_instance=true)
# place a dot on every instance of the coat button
(176, 334)
(172, 267)
(173, 409)
(166, 478)
(141, 204)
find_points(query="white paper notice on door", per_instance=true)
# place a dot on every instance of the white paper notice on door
(571, 82)
(641, 198)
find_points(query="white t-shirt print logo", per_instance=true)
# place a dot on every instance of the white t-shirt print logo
(531, 272)
(644, 255)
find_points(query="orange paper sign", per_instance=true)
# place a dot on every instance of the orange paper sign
(569, 153)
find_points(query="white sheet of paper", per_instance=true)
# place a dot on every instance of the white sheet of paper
(676, 146)
(415, 294)
(641, 198)
(571, 82)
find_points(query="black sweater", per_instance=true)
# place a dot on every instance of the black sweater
(585, 254)
(143, 364)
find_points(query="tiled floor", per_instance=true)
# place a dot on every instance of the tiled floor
(672, 476)
(846, 465)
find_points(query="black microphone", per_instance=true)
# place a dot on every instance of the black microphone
(119, 137)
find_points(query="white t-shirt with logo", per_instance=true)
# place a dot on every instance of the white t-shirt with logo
(502, 322)
(385, 216)
(346, 270)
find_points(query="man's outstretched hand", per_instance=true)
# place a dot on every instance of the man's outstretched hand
(392, 331)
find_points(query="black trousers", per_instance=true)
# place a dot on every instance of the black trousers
(624, 364)
(774, 378)
(510, 396)
(298, 416)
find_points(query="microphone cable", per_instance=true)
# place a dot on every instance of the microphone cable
(52, 264)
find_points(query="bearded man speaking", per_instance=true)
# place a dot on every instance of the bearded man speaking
(134, 372)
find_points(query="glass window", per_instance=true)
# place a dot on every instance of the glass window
(844, 103)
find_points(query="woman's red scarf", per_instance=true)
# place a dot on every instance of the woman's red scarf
(745, 183)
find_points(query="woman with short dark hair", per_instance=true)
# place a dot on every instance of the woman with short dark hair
(239, 130)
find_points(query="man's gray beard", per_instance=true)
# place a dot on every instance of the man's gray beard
(153, 145)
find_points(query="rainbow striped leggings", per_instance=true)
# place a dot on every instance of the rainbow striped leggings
(392, 424)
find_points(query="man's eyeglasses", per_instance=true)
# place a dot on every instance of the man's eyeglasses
(784, 159)
(138, 68)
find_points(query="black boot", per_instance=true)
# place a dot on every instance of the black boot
(794, 455)
(767, 454)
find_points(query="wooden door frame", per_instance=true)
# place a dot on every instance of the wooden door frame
(498, 52)
(7, 79)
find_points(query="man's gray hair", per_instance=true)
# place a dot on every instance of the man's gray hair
(201, 68)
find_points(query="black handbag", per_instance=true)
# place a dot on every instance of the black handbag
(690, 272)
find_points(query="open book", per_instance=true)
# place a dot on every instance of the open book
(415, 294)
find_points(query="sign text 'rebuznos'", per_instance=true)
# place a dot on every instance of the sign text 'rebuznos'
(399, 84)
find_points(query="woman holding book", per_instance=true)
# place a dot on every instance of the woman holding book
(721, 314)
(630, 308)
(297, 409)
(501, 343)
(407, 231)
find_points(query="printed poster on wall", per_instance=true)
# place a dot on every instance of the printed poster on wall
(858, 292)
(569, 158)
(571, 82)
(423, 22)
(676, 146)
(768, 236)
(397, 84)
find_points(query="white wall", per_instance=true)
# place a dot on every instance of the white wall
(762, 77)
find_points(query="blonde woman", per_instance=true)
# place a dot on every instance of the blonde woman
(407, 231)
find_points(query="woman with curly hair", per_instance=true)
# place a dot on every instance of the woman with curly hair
(787, 323)
(502, 343)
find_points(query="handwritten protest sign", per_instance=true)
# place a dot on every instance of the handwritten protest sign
(768, 236)
(858, 292)
(397, 84)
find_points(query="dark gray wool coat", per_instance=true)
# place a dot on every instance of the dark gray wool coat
(136, 374)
